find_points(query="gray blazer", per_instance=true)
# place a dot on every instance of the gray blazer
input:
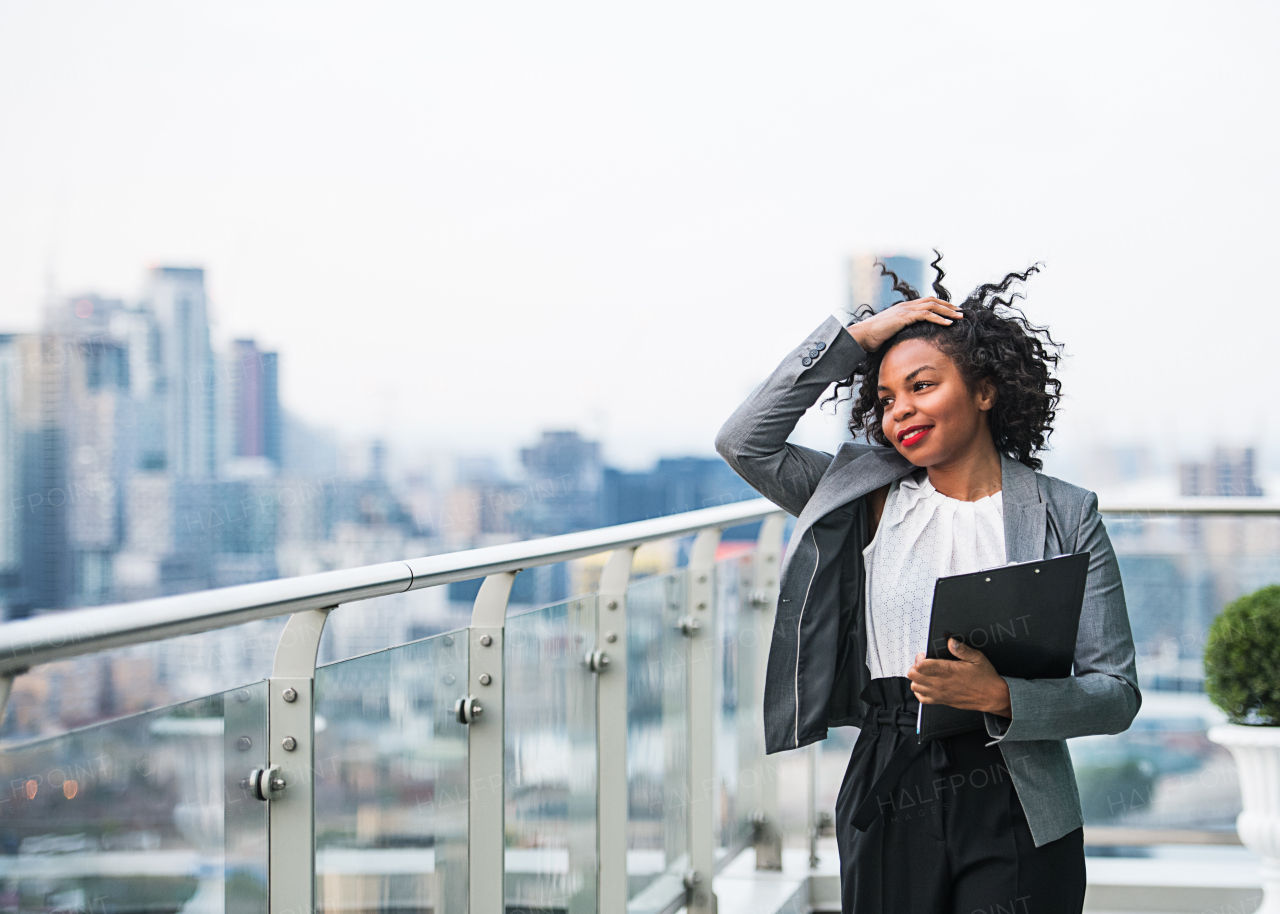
(817, 657)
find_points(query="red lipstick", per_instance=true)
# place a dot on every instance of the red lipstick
(910, 437)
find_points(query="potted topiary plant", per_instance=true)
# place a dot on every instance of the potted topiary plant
(1242, 677)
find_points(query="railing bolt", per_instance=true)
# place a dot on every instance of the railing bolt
(485, 679)
(612, 604)
(597, 661)
(290, 695)
(244, 744)
(289, 743)
(610, 637)
(486, 640)
(467, 709)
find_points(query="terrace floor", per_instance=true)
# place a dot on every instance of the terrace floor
(1174, 880)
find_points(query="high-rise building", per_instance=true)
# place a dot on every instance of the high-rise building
(868, 289)
(675, 485)
(564, 483)
(1232, 471)
(47, 577)
(11, 494)
(114, 428)
(176, 296)
(255, 403)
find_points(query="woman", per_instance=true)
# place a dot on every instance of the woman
(957, 401)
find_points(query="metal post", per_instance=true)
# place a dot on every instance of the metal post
(288, 781)
(483, 710)
(702, 722)
(611, 733)
(6, 688)
(811, 813)
(766, 575)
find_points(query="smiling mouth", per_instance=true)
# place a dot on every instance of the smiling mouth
(914, 435)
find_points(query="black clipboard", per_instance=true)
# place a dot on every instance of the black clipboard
(1024, 617)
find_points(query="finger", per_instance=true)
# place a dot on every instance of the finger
(963, 651)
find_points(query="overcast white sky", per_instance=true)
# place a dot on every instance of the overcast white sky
(462, 223)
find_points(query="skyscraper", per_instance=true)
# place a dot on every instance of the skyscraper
(564, 476)
(867, 288)
(176, 296)
(47, 576)
(255, 402)
(89, 408)
(11, 494)
(1232, 471)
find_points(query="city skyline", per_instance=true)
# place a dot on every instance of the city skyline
(1074, 449)
(139, 459)
(378, 198)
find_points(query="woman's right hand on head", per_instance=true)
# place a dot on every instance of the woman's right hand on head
(873, 332)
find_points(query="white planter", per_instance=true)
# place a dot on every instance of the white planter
(1257, 754)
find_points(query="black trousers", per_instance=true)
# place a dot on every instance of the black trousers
(949, 834)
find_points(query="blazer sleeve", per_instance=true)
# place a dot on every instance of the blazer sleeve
(1102, 696)
(753, 441)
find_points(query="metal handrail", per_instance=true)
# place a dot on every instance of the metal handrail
(1195, 504)
(57, 636)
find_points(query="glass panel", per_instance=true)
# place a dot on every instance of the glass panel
(739, 729)
(1163, 771)
(657, 741)
(550, 791)
(98, 688)
(145, 813)
(1178, 573)
(391, 780)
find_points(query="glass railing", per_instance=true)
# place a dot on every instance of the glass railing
(603, 753)
(550, 779)
(600, 754)
(149, 812)
(391, 780)
(1162, 779)
(657, 757)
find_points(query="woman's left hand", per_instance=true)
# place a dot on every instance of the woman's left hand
(970, 682)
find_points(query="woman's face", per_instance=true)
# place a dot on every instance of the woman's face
(930, 414)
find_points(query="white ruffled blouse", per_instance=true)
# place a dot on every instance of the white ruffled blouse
(922, 536)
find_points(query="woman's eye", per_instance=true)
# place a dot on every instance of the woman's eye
(885, 401)
(921, 385)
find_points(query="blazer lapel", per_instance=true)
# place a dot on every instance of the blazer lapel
(1024, 512)
(856, 478)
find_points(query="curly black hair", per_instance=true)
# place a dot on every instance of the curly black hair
(994, 340)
